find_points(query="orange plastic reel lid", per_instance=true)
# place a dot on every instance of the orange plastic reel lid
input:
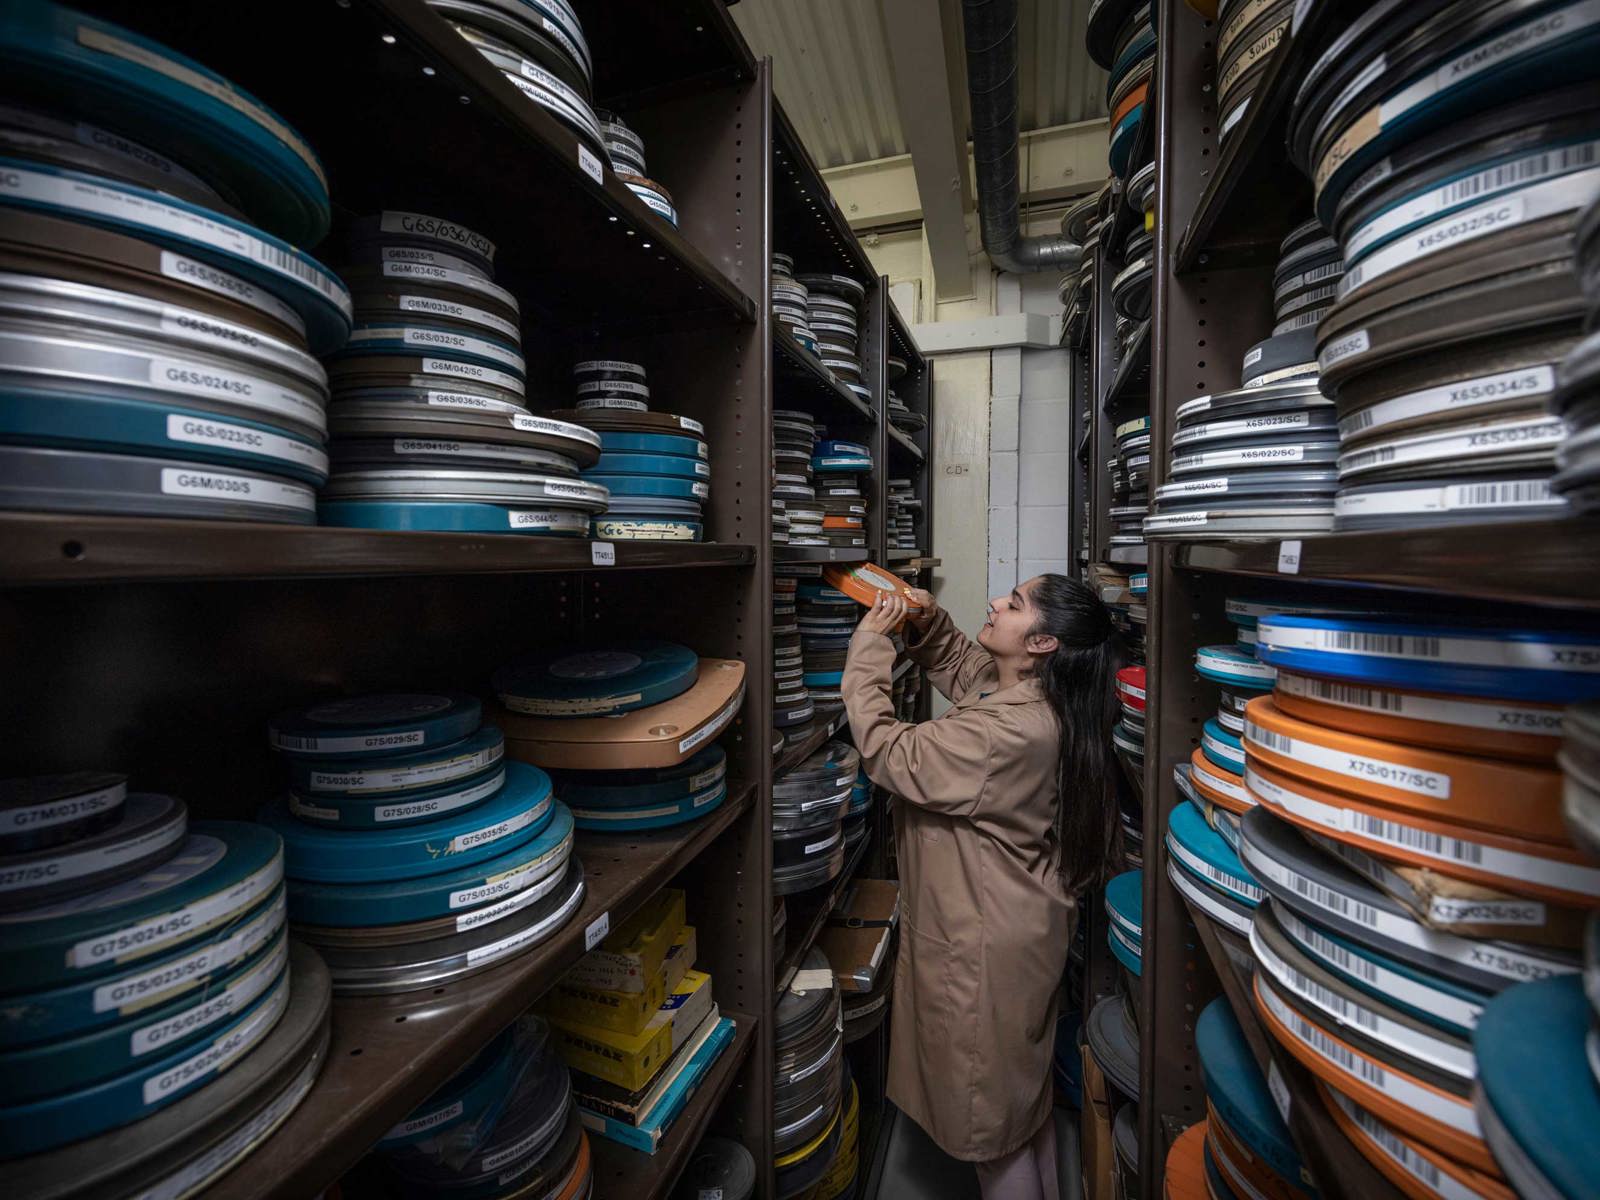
(1131, 101)
(1246, 1174)
(1521, 799)
(1223, 788)
(1186, 1165)
(1536, 870)
(842, 523)
(864, 582)
(1417, 1170)
(1421, 1110)
(1465, 724)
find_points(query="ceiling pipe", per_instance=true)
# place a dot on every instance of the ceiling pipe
(990, 28)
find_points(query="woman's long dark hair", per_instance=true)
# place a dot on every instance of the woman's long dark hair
(1079, 681)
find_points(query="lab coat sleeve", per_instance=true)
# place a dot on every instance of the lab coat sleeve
(939, 765)
(952, 660)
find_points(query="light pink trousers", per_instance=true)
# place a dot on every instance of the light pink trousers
(1027, 1173)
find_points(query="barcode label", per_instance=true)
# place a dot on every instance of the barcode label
(1230, 883)
(1435, 845)
(1545, 722)
(1405, 1155)
(1398, 776)
(1312, 1035)
(1507, 494)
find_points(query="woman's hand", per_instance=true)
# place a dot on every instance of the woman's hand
(929, 606)
(885, 616)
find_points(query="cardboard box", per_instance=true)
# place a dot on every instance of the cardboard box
(680, 958)
(632, 953)
(631, 1060)
(681, 1084)
(859, 932)
(629, 1107)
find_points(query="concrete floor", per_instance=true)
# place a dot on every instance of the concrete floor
(915, 1169)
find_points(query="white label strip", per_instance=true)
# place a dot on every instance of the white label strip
(511, 881)
(59, 812)
(221, 283)
(191, 378)
(490, 913)
(1197, 895)
(1279, 1090)
(1525, 383)
(714, 726)
(1521, 493)
(813, 847)
(133, 992)
(1391, 983)
(1223, 879)
(1437, 1106)
(525, 937)
(1446, 1187)
(394, 779)
(1223, 750)
(1532, 433)
(1509, 962)
(474, 371)
(434, 306)
(1527, 654)
(430, 1120)
(1439, 710)
(180, 924)
(500, 829)
(212, 1008)
(1503, 864)
(1353, 766)
(1242, 426)
(434, 270)
(217, 1056)
(65, 863)
(313, 744)
(1246, 456)
(207, 431)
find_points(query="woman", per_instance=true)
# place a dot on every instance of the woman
(1006, 812)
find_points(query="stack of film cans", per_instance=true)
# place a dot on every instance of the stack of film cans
(833, 305)
(1453, 197)
(1122, 39)
(794, 434)
(625, 149)
(792, 706)
(827, 619)
(430, 426)
(901, 519)
(791, 305)
(1130, 482)
(1080, 224)
(1577, 396)
(655, 467)
(1306, 281)
(156, 1018)
(504, 1125)
(415, 853)
(842, 472)
(1259, 459)
(808, 811)
(901, 415)
(1409, 901)
(577, 711)
(1247, 33)
(158, 319)
(542, 51)
(810, 1078)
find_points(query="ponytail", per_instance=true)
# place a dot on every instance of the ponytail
(1079, 682)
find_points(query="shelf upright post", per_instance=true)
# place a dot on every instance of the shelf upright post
(1102, 437)
(874, 348)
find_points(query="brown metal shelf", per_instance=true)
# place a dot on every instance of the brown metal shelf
(389, 1053)
(1132, 378)
(1342, 1172)
(900, 442)
(816, 918)
(806, 221)
(38, 548)
(821, 554)
(622, 1171)
(904, 345)
(1529, 562)
(803, 378)
(408, 115)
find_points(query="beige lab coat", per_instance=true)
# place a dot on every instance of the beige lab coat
(985, 922)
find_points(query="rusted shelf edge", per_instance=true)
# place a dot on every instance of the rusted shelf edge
(1341, 1171)
(343, 1117)
(622, 1171)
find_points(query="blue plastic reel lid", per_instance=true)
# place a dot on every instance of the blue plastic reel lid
(1201, 851)
(1232, 667)
(76, 1008)
(222, 870)
(606, 789)
(425, 516)
(513, 815)
(1538, 1101)
(446, 893)
(609, 819)
(832, 447)
(299, 281)
(1125, 950)
(400, 774)
(39, 418)
(653, 443)
(376, 726)
(74, 1063)
(599, 682)
(617, 462)
(248, 153)
(1125, 900)
(462, 1098)
(1238, 1091)
(839, 464)
(823, 678)
(650, 485)
(1553, 666)
(167, 1076)
(1222, 747)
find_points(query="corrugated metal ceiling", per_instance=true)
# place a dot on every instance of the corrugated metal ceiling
(831, 70)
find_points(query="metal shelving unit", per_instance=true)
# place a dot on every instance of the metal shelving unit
(1219, 219)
